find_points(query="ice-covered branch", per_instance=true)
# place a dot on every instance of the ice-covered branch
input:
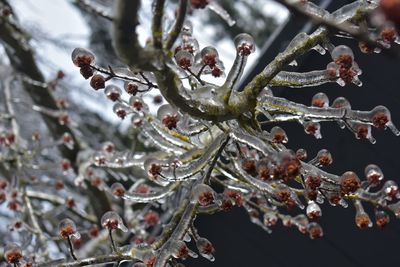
(59, 201)
(338, 20)
(177, 234)
(300, 80)
(103, 259)
(246, 100)
(359, 122)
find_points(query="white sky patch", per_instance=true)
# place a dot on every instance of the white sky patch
(55, 20)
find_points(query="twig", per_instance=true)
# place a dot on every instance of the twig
(71, 248)
(59, 201)
(85, 5)
(214, 161)
(178, 233)
(35, 223)
(196, 76)
(113, 247)
(98, 260)
(126, 40)
(157, 28)
(173, 35)
(110, 72)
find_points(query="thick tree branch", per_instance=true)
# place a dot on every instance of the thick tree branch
(157, 28)
(126, 40)
(170, 84)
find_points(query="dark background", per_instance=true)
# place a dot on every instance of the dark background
(240, 243)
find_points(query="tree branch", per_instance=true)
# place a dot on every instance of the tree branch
(125, 37)
(84, 4)
(157, 28)
(59, 201)
(247, 99)
(98, 260)
(173, 35)
(356, 32)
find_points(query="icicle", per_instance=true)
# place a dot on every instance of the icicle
(362, 219)
(137, 197)
(301, 222)
(205, 248)
(373, 174)
(253, 142)
(245, 45)
(112, 92)
(341, 102)
(169, 137)
(312, 128)
(187, 171)
(278, 135)
(68, 141)
(319, 49)
(187, 28)
(159, 142)
(259, 184)
(298, 40)
(313, 210)
(379, 117)
(349, 11)
(361, 131)
(320, 100)
(184, 59)
(204, 195)
(270, 218)
(220, 11)
(315, 230)
(189, 129)
(330, 178)
(395, 208)
(102, 159)
(315, 10)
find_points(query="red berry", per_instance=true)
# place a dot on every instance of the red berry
(97, 82)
